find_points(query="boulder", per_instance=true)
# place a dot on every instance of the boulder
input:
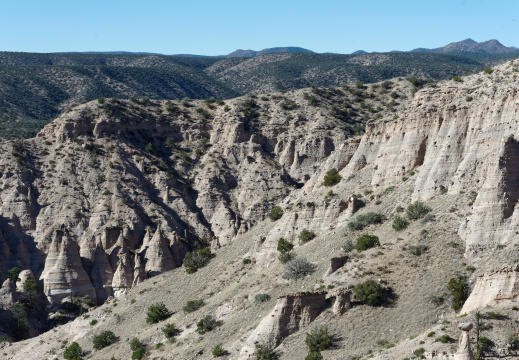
(8, 295)
(24, 275)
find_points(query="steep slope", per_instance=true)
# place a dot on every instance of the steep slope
(451, 146)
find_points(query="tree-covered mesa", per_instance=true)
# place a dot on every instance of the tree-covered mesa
(35, 88)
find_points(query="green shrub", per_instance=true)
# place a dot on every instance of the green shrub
(93, 322)
(219, 351)
(488, 70)
(419, 353)
(318, 339)
(366, 242)
(485, 343)
(286, 257)
(207, 324)
(13, 274)
(431, 334)
(298, 268)
(359, 85)
(104, 339)
(276, 213)
(306, 235)
(417, 210)
(157, 312)
(355, 225)
(18, 320)
(259, 298)
(369, 293)
(331, 178)
(314, 355)
(400, 223)
(193, 305)
(73, 352)
(265, 352)
(457, 79)
(460, 290)
(284, 246)
(371, 218)
(169, 330)
(138, 348)
(197, 259)
(31, 289)
(443, 339)
(148, 148)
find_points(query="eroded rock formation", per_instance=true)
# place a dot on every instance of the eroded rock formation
(493, 287)
(291, 313)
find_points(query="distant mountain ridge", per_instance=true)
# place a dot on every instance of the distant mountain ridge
(253, 53)
(490, 47)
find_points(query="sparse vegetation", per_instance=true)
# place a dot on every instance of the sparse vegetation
(219, 351)
(73, 352)
(306, 235)
(207, 324)
(459, 289)
(366, 242)
(400, 223)
(417, 210)
(104, 339)
(197, 259)
(331, 178)
(193, 305)
(284, 246)
(169, 330)
(369, 293)
(276, 213)
(265, 352)
(157, 312)
(138, 349)
(298, 268)
(259, 298)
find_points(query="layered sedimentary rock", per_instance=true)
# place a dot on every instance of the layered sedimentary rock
(64, 275)
(158, 256)
(493, 287)
(123, 167)
(291, 313)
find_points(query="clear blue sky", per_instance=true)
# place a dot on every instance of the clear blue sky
(215, 27)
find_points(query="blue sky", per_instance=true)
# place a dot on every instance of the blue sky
(221, 26)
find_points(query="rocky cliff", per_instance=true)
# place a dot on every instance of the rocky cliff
(115, 192)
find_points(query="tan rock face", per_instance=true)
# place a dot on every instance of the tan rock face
(8, 295)
(291, 313)
(494, 287)
(64, 275)
(24, 275)
(90, 171)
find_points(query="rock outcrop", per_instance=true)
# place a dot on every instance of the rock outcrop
(158, 255)
(291, 313)
(8, 295)
(23, 276)
(64, 275)
(342, 302)
(493, 287)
